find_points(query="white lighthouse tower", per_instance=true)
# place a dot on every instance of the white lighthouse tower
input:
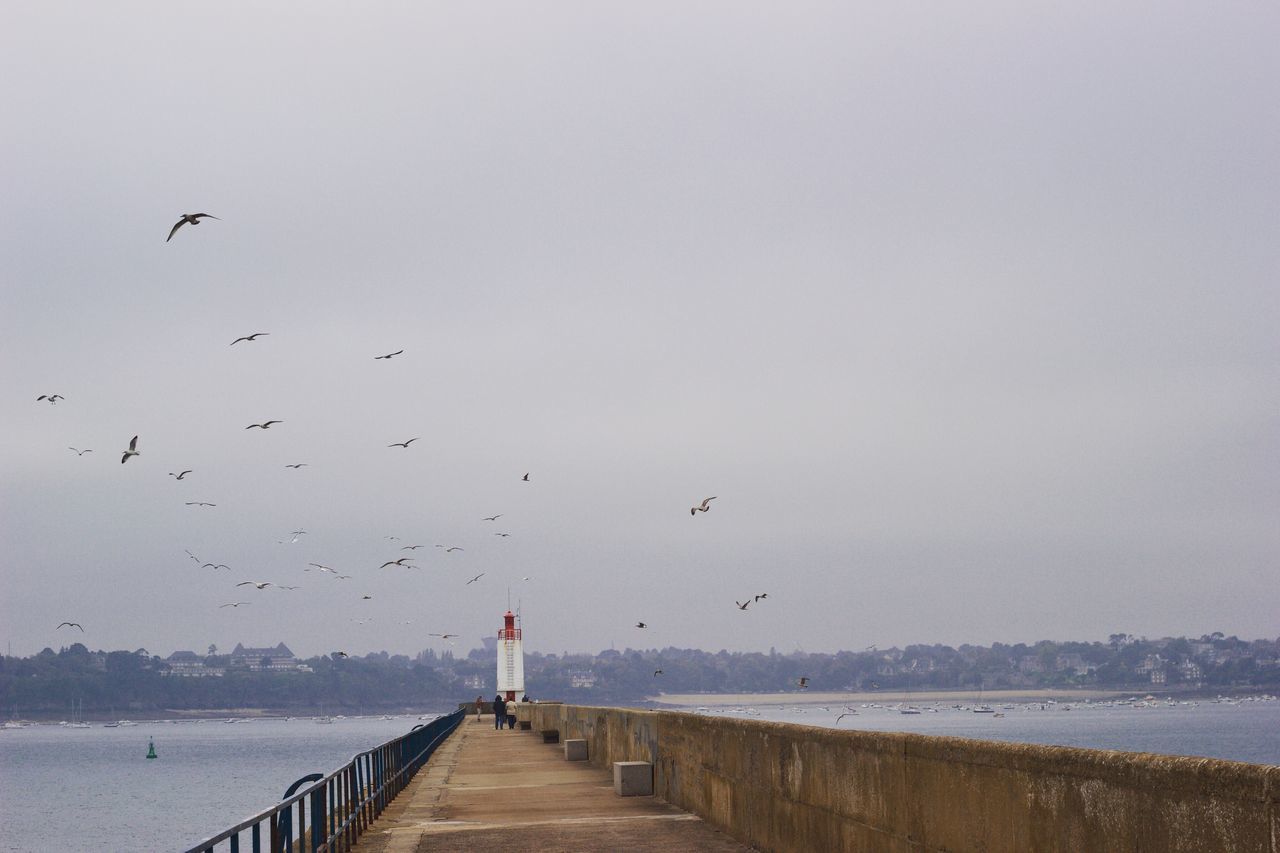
(510, 658)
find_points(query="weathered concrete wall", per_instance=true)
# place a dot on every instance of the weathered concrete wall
(612, 734)
(798, 788)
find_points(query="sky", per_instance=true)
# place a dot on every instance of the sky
(966, 316)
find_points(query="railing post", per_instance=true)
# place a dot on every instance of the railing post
(317, 819)
(278, 829)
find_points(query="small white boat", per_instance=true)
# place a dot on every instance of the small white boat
(324, 721)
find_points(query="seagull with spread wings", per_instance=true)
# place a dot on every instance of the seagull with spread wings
(52, 398)
(81, 452)
(400, 562)
(233, 604)
(703, 507)
(71, 625)
(266, 425)
(252, 337)
(474, 579)
(258, 584)
(388, 356)
(180, 476)
(403, 443)
(132, 451)
(188, 219)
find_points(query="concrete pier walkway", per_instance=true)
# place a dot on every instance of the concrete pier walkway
(485, 789)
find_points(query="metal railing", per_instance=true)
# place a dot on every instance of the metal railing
(330, 813)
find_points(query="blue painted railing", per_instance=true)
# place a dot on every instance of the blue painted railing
(330, 814)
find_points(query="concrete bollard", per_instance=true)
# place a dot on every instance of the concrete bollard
(575, 750)
(551, 736)
(633, 778)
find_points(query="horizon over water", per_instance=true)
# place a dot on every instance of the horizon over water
(211, 775)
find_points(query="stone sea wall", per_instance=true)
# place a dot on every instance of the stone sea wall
(785, 787)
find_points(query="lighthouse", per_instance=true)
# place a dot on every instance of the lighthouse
(510, 658)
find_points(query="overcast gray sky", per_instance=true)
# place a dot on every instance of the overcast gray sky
(966, 314)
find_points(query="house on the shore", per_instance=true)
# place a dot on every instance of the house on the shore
(190, 665)
(278, 659)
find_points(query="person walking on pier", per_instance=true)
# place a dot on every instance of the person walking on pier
(479, 707)
(511, 714)
(499, 711)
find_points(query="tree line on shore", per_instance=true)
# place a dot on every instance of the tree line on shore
(119, 683)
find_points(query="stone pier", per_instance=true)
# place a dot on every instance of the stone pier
(486, 789)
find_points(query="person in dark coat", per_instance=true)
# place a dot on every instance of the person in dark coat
(499, 711)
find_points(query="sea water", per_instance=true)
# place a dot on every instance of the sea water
(1239, 730)
(70, 789)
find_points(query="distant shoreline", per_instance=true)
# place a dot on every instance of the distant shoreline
(915, 696)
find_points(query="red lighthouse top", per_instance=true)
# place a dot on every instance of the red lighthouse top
(509, 630)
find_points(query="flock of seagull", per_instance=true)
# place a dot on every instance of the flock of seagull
(401, 562)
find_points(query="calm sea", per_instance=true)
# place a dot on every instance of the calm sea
(92, 789)
(70, 789)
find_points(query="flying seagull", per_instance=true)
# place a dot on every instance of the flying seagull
(454, 548)
(341, 655)
(52, 398)
(267, 425)
(761, 595)
(803, 682)
(188, 219)
(232, 604)
(320, 567)
(474, 579)
(403, 443)
(742, 605)
(493, 517)
(258, 584)
(525, 478)
(412, 547)
(366, 598)
(71, 625)
(388, 355)
(199, 503)
(702, 507)
(216, 566)
(81, 452)
(504, 535)
(296, 465)
(180, 476)
(249, 337)
(443, 636)
(132, 451)
(399, 562)
(657, 672)
(289, 587)
(641, 625)
(848, 712)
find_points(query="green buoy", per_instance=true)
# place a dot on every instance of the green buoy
(151, 749)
